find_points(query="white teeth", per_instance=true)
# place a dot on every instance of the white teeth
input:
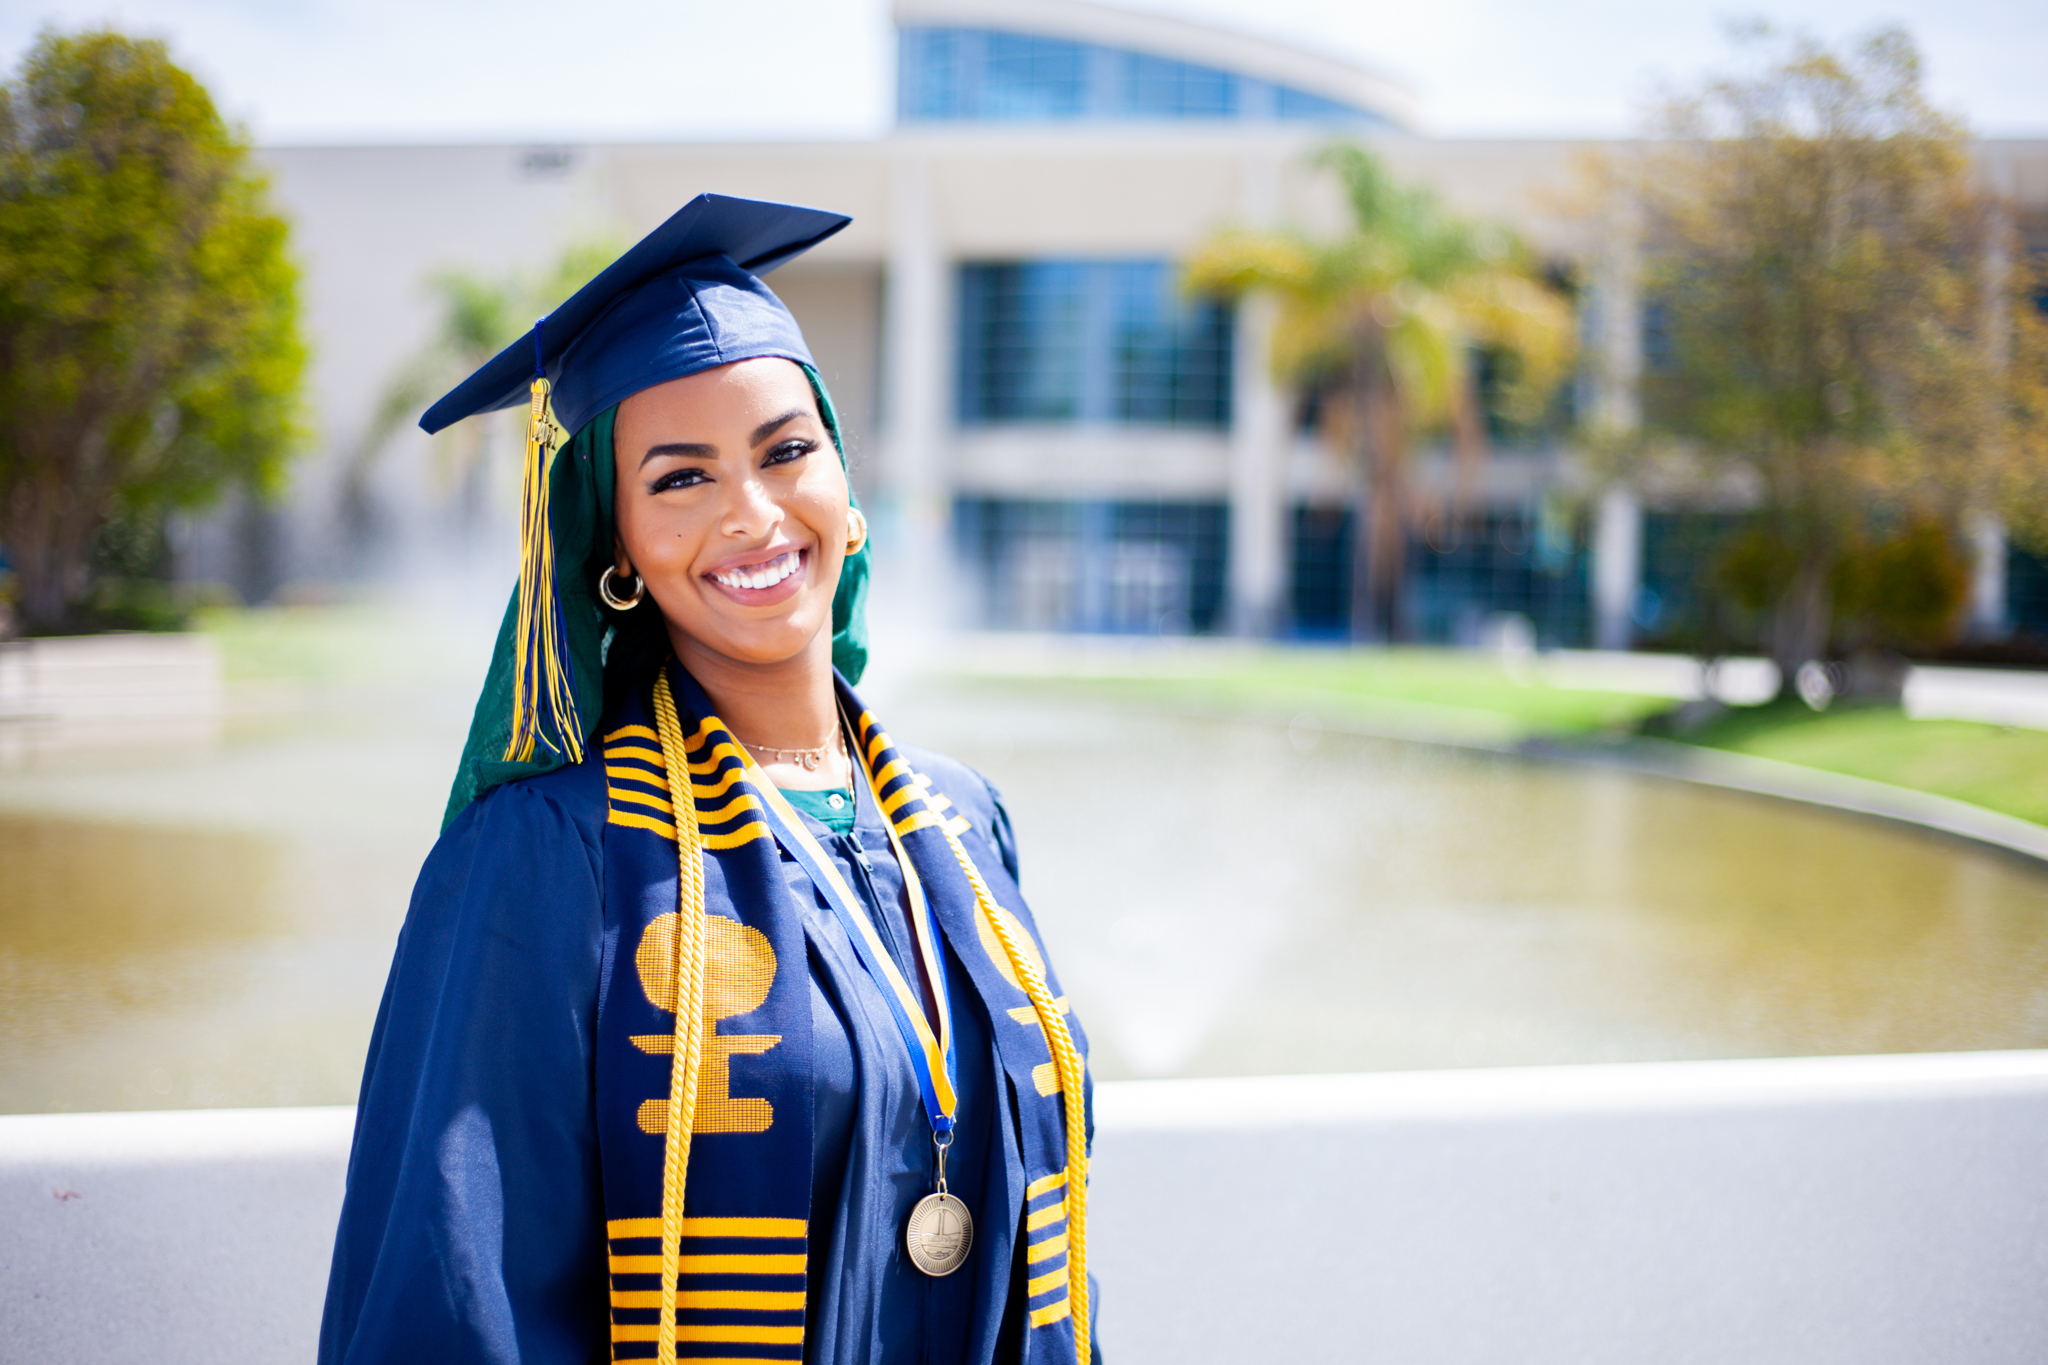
(763, 576)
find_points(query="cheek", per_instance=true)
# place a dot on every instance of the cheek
(821, 500)
(660, 540)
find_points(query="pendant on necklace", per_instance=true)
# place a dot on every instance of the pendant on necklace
(810, 762)
(939, 1234)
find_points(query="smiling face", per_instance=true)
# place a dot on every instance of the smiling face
(732, 507)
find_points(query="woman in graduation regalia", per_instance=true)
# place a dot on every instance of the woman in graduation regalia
(718, 1029)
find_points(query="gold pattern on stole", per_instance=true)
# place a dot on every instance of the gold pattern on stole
(739, 969)
(1045, 1077)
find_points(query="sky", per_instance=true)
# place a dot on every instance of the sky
(379, 71)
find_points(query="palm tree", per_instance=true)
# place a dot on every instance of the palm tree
(479, 316)
(1389, 321)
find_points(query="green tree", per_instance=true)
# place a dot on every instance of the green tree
(1848, 334)
(1389, 320)
(149, 346)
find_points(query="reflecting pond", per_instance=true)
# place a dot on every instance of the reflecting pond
(1224, 896)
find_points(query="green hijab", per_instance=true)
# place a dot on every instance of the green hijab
(609, 651)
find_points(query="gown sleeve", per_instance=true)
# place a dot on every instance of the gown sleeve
(1005, 837)
(472, 1229)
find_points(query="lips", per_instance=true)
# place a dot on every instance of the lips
(760, 577)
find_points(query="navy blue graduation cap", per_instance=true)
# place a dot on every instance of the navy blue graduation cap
(686, 298)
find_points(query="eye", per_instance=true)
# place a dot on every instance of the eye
(688, 476)
(789, 450)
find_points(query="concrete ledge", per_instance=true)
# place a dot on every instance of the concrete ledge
(1811, 1211)
(1995, 696)
(105, 691)
(173, 1137)
(1857, 1211)
(1813, 786)
(1279, 1103)
(191, 1236)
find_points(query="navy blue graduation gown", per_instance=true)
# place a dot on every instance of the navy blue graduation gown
(473, 1228)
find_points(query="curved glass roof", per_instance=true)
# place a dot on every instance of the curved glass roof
(986, 75)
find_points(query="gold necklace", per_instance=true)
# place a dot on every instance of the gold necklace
(807, 759)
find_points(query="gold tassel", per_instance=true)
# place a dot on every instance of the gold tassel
(542, 674)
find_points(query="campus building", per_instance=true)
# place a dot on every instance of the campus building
(1040, 417)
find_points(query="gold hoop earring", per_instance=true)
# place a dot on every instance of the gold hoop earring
(612, 599)
(857, 531)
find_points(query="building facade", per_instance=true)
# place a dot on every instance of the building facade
(1041, 420)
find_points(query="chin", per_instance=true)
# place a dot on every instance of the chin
(762, 642)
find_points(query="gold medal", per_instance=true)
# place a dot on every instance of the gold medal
(938, 1235)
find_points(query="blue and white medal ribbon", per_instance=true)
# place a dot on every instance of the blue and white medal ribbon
(940, 1230)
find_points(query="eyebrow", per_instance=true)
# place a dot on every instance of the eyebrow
(680, 449)
(767, 428)
(695, 450)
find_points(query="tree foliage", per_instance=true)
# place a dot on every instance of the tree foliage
(1388, 319)
(149, 346)
(1895, 588)
(1850, 330)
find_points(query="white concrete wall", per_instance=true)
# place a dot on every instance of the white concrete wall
(195, 1238)
(1617, 567)
(66, 694)
(840, 310)
(1812, 1212)
(1853, 1210)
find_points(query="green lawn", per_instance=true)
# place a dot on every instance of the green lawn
(343, 646)
(1994, 766)
(1446, 693)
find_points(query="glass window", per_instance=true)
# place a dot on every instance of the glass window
(2026, 595)
(1289, 103)
(1172, 356)
(1021, 327)
(1147, 568)
(966, 73)
(1024, 77)
(1158, 87)
(1530, 561)
(932, 73)
(1660, 347)
(1090, 341)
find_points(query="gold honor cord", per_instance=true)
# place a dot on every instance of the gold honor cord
(1068, 1060)
(1059, 1040)
(689, 1044)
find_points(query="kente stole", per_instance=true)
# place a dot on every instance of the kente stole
(740, 1285)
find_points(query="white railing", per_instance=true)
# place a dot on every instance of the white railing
(1857, 1210)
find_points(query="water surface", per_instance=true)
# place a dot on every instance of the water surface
(1223, 897)
(1233, 898)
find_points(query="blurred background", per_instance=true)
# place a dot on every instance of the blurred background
(1401, 502)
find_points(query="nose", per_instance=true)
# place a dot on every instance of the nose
(750, 512)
